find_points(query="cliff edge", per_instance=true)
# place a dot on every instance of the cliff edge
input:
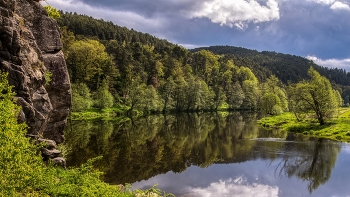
(30, 50)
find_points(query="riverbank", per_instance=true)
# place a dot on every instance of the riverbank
(337, 128)
(121, 110)
(106, 114)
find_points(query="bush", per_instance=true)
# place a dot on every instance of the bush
(20, 168)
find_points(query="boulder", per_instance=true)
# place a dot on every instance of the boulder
(59, 161)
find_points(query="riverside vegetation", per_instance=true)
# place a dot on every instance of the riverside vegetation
(116, 71)
(337, 128)
(112, 66)
(22, 170)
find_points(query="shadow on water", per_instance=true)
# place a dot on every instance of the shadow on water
(138, 149)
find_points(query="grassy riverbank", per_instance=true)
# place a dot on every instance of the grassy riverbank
(337, 128)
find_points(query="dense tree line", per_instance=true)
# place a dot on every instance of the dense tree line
(117, 69)
(106, 30)
(288, 68)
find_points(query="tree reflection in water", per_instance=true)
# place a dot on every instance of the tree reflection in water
(312, 163)
(138, 149)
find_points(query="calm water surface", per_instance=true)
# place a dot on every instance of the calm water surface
(204, 155)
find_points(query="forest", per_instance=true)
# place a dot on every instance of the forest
(111, 65)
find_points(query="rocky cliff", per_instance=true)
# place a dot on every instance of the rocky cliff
(30, 50)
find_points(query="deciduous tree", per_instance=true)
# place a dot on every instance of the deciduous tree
(315, 95)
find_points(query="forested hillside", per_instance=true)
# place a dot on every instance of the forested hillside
(286, 67)
(106, 30)
(111, 65)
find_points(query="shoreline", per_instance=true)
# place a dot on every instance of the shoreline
(336, 128)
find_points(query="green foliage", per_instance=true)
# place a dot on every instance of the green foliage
(17, 155)
(234, 95)
(81, 97)
(67, 38)
(52, 12)
(274, 99)
(106, 30)
(22, 172)
(152, 99)
(316, 96)
(89, 63)
(48, 77)
(287, 68)
(268, 102)
(335, 129)
(103, 98)
(251, 92)
(144, 73)
(152, 192)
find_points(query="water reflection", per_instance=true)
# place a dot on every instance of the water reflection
(138, 149)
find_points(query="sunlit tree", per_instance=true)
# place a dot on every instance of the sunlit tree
(315, 95)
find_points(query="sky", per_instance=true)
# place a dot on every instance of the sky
(316, 29)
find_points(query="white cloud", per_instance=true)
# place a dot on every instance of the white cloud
(327, 2)
(334, 5)
(340, 6)
(237, 13)
(237, 188)
(331, 63)
(191, 46)
(346, 148)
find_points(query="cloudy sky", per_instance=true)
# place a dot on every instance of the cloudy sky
(316, 29)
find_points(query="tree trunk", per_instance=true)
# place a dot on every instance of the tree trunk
(320, 118)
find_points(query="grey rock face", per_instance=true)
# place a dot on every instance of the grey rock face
(59, 161)
(30, 47)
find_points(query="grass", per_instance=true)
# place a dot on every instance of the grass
(337, 128)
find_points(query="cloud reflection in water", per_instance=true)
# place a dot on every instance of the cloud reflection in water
(239, 187)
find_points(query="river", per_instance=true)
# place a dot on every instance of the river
(210, 154)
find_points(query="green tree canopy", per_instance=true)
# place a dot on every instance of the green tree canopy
(315, 95)
(81, 97)
(88, 63)
(273, 97)
(104, 99)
